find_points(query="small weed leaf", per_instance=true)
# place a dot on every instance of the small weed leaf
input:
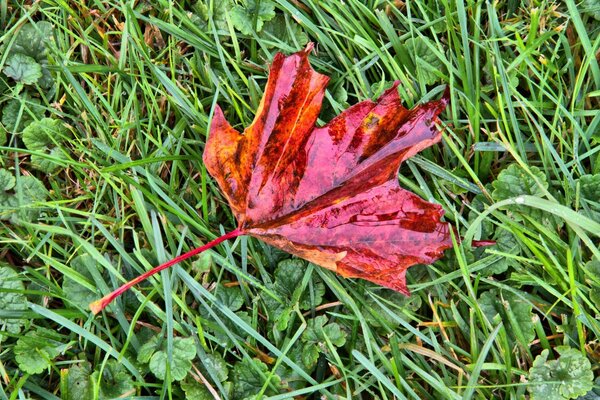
(279, 29)
(378, 316)
(515, 313)
(17, 114)
(114, 381)
(11, 300)
(32, 38)
(305, 356)
(35, 351)
(593, 394)
(22, 69)
(428, 65)
(75, 382)
(592, 273)
(75, 292)
(288, 285)
(79, 382)
(148, 349)
(590, 195)
(231, 297)
(249, 377)
(195, 390)
(592, 268)
(18, 204)
(245, 15)
(32, 41)
(514, 181)
(230, 327)
(215, 366)
(506, 243)
(7, 180)
(309, 356)
(203, 263)
(288, 281)
(219, 10)
(42, 136)
(184, 350)
(478, 205)
(591, 7)
(567, 377)
(320, 332)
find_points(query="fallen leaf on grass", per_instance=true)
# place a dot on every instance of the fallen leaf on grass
(327, 194)
(330, 194)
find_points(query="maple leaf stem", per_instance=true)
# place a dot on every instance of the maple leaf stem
(99, 305)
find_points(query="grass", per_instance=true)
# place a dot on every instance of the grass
(136, 84)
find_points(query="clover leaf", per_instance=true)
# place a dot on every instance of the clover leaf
(567, 377)
(11, 299)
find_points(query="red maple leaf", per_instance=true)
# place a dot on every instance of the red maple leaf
(327, 194)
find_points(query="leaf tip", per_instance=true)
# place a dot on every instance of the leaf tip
(218, 121)
(309, 47)
(445, 100)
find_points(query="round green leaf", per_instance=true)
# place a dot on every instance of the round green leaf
(567, 377)
(22, 69)
(11, 300)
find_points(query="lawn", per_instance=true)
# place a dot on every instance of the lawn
(105, 108)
